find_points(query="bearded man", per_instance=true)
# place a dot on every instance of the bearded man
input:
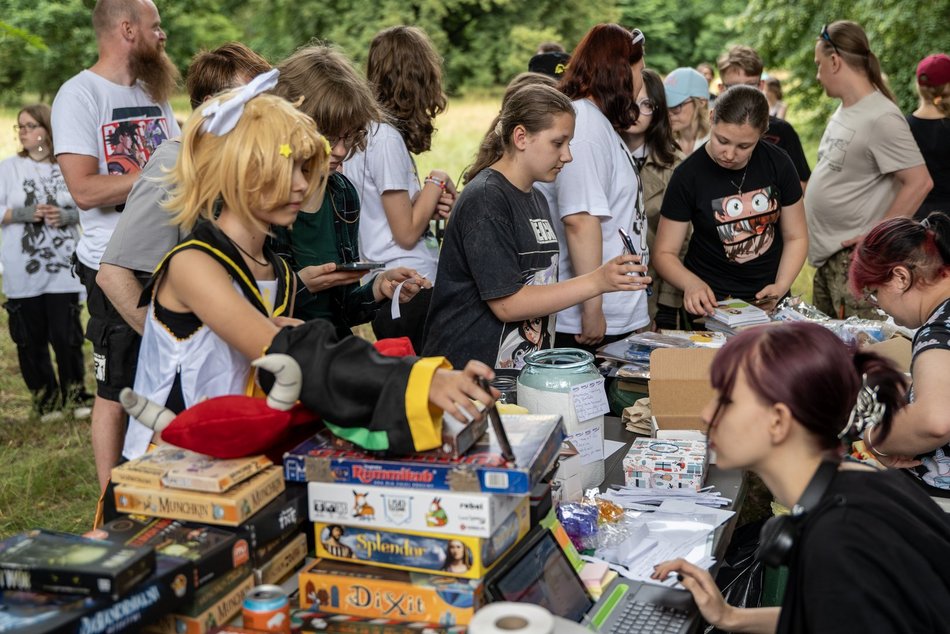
(107, 122)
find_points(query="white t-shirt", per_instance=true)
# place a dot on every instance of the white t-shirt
(601, 180)
(852, 185)
(119, 125)
(386, 165)
(35, 256)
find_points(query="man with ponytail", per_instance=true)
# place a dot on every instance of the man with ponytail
(869, 167)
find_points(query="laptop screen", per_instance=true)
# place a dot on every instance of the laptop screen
(544, 576)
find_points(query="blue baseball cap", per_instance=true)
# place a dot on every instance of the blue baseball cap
(684, 83)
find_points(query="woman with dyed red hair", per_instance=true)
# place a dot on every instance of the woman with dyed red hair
(866, 549)
(599, 191)
(903, 267)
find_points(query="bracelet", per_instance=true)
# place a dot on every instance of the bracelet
(435, 181)
(870, 446)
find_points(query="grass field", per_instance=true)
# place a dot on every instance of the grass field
(47, 474)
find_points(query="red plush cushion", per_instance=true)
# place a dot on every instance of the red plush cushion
(228, 427)
(395, 347)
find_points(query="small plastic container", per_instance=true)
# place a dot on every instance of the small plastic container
(544, 387)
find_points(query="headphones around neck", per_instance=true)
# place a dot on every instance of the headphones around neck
(778, 536)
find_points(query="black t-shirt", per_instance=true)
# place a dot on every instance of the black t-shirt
(933, 334)
(933, 139)
(873, 556)
(737, 241)
(783, 135)
(499, 239)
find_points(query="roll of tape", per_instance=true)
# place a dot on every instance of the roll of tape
(512, 618)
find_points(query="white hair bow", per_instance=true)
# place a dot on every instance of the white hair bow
(221, 115)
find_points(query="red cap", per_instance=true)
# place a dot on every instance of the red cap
(934, 70)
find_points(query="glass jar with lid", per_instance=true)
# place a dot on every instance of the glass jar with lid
(544, 387)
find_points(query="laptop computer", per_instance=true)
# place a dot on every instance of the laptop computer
(539, 572)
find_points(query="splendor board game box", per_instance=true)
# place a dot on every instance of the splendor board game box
(535, 440)
(448, 512)
(417, 551)
(372, 592)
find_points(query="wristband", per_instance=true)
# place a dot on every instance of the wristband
(23, 214)
(68, 215)
(436, 181)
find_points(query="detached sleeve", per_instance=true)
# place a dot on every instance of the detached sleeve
(347, 382)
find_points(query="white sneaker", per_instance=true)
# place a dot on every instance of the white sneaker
(82, 412)
(52, 417)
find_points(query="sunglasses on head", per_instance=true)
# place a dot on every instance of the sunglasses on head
(827, 37)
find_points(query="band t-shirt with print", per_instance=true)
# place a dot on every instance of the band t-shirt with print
(737, 239)
(500, 239)
(934, 334)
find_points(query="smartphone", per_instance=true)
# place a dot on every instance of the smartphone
(644, 257)
(359, 266)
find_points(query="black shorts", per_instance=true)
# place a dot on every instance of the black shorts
(115, 344)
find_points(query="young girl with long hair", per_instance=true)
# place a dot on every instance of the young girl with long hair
(866, 550)
(651, 143)
(405, 72)
(498, 271)
(903, 267)
(221, 298)
(687, 93)
(598, 192)
(39, 237)
(744, 202)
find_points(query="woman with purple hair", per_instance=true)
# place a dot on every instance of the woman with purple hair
(866, 549)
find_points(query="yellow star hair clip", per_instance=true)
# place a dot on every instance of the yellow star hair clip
(326, 146)
(285, 150)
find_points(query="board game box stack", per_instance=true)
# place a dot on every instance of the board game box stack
(231, 520)
(411, 540)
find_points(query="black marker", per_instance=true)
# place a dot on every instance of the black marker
(644, 258)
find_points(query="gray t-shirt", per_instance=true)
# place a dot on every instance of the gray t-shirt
(144, 233)
(852, 185)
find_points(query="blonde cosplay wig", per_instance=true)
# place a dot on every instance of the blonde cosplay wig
(248, 168)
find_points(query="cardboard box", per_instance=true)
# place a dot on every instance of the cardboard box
(372, 592)
(679, 386)
(221, 611)
(665, 464)
(285, 560)
(417, 551)
(476, 514)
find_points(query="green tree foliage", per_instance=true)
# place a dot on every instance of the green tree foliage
(901, 32)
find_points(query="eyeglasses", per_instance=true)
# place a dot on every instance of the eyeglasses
(29, 127)
(679, 108)
(645, 106)
(638, 37)
(870, 297)
(350, 139)
(827, 37)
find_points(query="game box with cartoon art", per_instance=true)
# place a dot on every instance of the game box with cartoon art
(535, 440)
(378, 593)
(420, 551)
(445, 512)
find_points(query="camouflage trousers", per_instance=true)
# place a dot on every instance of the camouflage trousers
(831, 293)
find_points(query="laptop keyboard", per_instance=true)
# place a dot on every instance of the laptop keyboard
(649, 617)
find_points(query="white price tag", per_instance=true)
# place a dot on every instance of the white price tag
(589, 399)
(589, 444)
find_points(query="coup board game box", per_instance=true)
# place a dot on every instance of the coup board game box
(213, 551)
(448, 512)
(415, 551)
(378, 593)
(41, 612)
(169, 466)
(535, 440)
(281, 517)
(45, 561)
(653, 463)
(231, 508)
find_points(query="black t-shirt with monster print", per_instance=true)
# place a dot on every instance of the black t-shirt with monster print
(737, 240)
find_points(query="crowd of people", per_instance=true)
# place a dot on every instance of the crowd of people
(604, 200)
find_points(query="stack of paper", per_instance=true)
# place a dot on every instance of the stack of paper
(736, 313)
